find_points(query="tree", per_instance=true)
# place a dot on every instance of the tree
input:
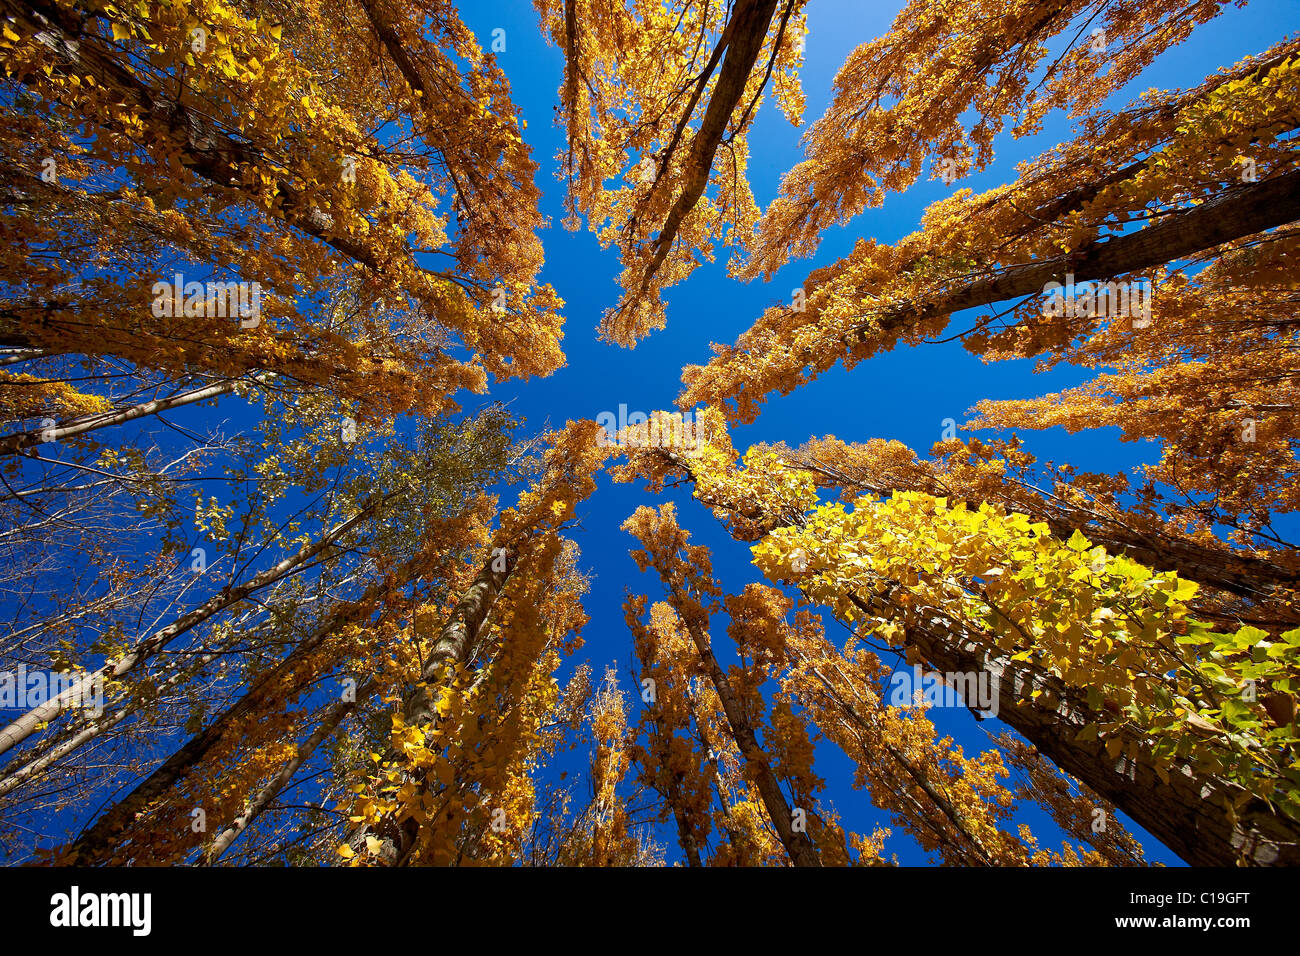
(885, 123)
(670, 84)
(220, 138)
(1048, 227)
(1098, 660)
(454, 781)
(686, 574)
(279, 635)
(1255, 582)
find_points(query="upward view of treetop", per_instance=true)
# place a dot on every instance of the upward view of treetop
(298, 565)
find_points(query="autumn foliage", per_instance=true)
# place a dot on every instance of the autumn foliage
(319, 601)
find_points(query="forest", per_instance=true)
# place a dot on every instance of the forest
(630, 433)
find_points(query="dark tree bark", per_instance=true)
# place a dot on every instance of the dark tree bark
(743, 38)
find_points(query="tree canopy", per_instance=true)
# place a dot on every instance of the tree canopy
(288, 576)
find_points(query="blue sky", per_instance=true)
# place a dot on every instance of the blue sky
(903, 395)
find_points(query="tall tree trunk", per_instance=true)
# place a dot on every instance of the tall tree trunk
(745, 33)
(715, 775)
(259, 802)
(23, 772)
(975, 851)
(205, 148)
(457, 640)
(797, 843)
(673, 795)
(1245, 575)
(1186, 814)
